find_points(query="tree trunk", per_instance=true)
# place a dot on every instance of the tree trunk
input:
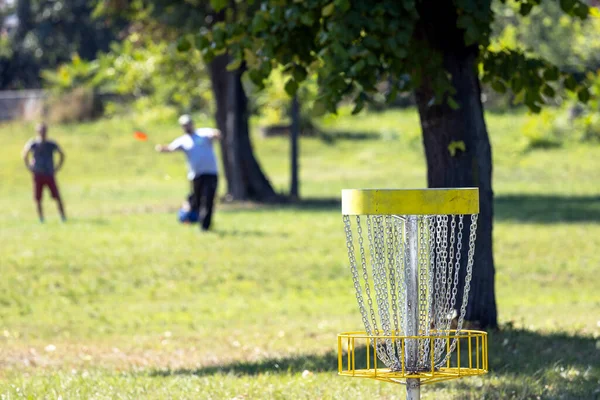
(245, 179)
(294, 133)
(443, 125)
(218, 78)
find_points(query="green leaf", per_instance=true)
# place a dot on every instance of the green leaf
(453, 104)
(291, 87)
(499, 87)
(360, 104)
(218, 5)
(583, 95)
(570, 83)
(525, 9)
(183, 44)
(234, 64)
(207, 54)
(548, 91)
(392, 95)
(343, 5)
(299, 73)
(567, 5)
(551, 74)
(581, 10)
(307, 18)
(328, 10)
(519, 97)
(259, 24)
(256, 77)
(455, 145)
(201, 42)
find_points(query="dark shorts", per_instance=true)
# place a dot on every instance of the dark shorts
(39, 181)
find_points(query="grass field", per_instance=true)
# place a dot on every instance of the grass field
(124, 303)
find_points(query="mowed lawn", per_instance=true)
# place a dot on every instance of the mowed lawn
(122, 302)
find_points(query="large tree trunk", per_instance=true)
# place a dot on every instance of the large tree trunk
(245, 178)
(472, 167)
(441, 126)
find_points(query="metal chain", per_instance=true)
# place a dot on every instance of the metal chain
(438, 274)
(378, 283)
(469, 275)
(467, 287)
(400, 259)
(392, 278)
(384, 310)
(355, 277)
(458, 257)
(365, 271)
(438, 266)
(439, 344)
(444, 267)
(451, 263)
(423, 291)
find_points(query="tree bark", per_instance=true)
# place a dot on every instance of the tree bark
(245, 178)
(442, 125)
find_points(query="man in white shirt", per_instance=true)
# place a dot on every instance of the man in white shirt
(197, 144)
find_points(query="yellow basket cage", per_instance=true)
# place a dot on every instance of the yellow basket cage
(357, 357)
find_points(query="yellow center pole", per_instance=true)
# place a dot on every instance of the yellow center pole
(413, 386)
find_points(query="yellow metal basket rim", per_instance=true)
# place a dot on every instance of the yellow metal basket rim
(431, 201)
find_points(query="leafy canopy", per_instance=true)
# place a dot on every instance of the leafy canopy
(354, 45)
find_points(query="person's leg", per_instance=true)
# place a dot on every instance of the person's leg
(208, 194)
(56, 195)
(194, 199)
(37, 196)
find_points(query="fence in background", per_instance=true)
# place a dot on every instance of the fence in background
(21, 104)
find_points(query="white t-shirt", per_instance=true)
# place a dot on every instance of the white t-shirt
(199, 152)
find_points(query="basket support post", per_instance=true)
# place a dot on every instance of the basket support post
(413, 386)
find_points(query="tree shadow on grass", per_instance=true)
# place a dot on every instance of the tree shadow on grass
(331, 137)
(517, 357)
(548, 208)
(519, 207)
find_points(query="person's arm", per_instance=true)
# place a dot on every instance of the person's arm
(61, 158)
(215, 134)
(161, 148)
(173, 146)
(26, 154)
(211, 133)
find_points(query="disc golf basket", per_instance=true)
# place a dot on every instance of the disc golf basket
(408, 261)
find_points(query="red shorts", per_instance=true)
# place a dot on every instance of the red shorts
(39, 181)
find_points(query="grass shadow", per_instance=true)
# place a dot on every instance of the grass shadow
(548, 208)
(330, 137)
(516, 358)
(305, 204)
(519, 207)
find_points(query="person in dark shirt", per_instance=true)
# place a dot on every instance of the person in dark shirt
(38, 155)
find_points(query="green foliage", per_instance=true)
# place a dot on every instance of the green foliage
(273, 103)
(565, 40)
(78, 73)
(49, 32)
(352, 46)
(155, 73)
(544, 131)
(570, 122)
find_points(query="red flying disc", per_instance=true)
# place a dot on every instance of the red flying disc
(140, 136)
